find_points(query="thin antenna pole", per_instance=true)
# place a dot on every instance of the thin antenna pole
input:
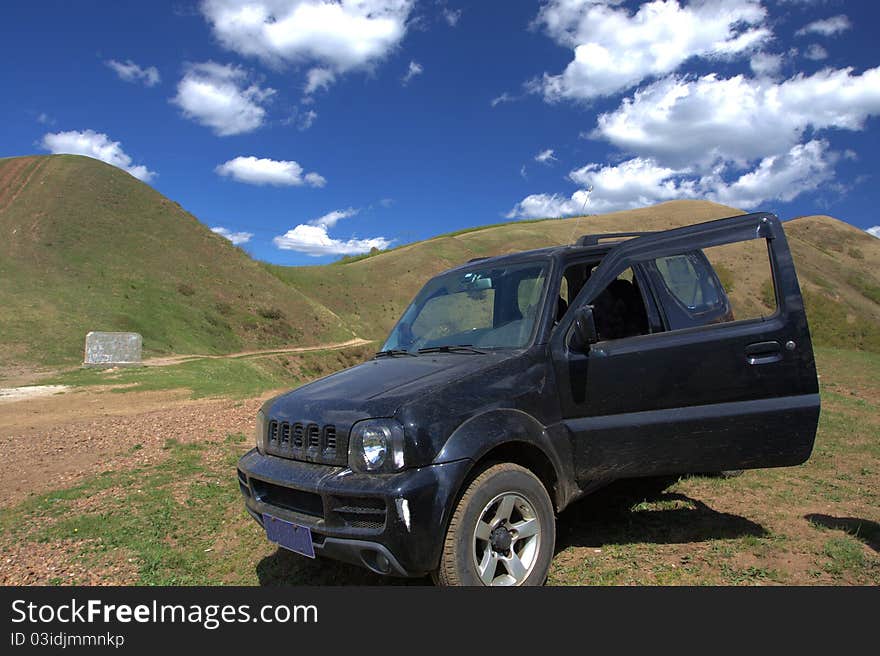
(578, 220)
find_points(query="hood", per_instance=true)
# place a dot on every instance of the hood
(377, 388)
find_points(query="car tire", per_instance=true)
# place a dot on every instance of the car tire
(502, 532)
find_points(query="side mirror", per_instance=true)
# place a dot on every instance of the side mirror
(584, 333)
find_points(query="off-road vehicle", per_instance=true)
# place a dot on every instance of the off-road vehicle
(513, 385)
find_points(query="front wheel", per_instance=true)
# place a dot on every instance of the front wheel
(502, 532)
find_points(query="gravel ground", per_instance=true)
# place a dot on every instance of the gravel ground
(53, 442)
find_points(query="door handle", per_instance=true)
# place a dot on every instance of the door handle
(763, 352)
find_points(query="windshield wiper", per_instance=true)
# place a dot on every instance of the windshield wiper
(393, 352)
(452, 348)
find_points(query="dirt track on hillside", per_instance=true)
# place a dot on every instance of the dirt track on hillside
(177, 359)
(11, 183)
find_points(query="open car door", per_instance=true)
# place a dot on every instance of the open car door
(731, 394)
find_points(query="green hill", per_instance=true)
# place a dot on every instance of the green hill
(88, 247)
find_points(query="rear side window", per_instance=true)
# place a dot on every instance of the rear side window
(690, 291)
(688, 278)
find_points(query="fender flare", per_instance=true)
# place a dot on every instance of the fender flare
(479, 435)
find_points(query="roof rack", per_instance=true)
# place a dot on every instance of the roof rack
(477, 259)
(593, 240)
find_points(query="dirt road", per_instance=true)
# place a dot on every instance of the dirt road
(52, 442)
(177, 359)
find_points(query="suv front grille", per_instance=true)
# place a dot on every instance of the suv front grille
(304, 441)
(330, 437)
(299, 501)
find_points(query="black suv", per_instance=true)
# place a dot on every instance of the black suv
(513, 385)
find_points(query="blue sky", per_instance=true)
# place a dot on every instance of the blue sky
(308, 129)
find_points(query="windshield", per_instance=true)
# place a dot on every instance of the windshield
(495, 307)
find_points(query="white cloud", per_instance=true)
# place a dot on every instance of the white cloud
(412, 70)
(306, 120)
(315, 179)
(697, 122)
(45, 119)
(312, 238)
(875, 231)
(97, 145)
(252, 170)
(236, 238)
(452, 16)
(639, 182)
(540, 206)
(222, 98)
(815, 52)
(330, 219)
(546, 156)
(615, 50)
(131, 72)
(503, 98)
(633, 183)
(336, 35)
(608, 188)
(318, 78)
(779, 177)
(522, 172)
(765, 64)
(827, 26)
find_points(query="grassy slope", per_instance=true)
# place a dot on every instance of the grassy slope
(88, 247)
(837, 265)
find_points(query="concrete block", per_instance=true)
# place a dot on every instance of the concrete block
(112, 349)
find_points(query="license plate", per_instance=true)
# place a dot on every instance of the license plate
(289, 535)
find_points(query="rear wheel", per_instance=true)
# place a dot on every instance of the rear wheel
(502, 532)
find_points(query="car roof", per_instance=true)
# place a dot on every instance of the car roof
(549, 252)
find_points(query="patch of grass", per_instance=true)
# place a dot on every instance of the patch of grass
(844, 554)
(162, 520)
(235, 378)
(866, 287)
(273, 314)
(230, 378)
(748, 575)
(832, 323)
(725, 275)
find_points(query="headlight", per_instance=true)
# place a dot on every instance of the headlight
(376, 445)
(260, 431)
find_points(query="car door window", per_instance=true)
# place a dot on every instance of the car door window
(745, 272)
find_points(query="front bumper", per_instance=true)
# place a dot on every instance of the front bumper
(390, 523)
